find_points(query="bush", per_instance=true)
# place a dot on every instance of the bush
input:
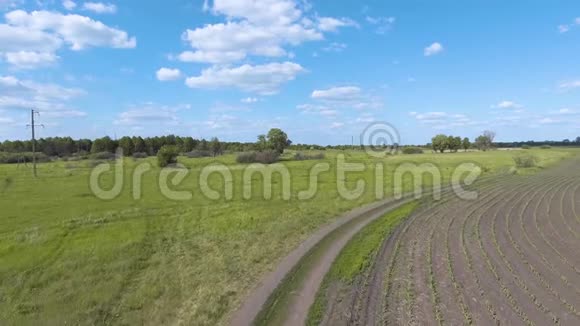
(140, 155)
(546, 147)
(526, 147)
(266, 157)
(302, 157)
(103, 156)
(412, 150)
(167, 155)
(26, 157)
(525, 161)
(246, 157)
(197, 154)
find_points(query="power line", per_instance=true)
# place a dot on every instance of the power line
(32, 126)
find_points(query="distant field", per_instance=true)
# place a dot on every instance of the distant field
(67, 257)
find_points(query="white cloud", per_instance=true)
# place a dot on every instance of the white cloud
(233, 41)
(342, 93)
(69, 4)
(100, 8)
(78, 31)
(258, 28)
(433, 49)
(507, 105)
(166, 74)
(549, 121)
(384, 24)
(336, 125)
(211, 57)
(330, 24)
(249, 100)
(26, 94)
(30, 59)
(564, 28)
(322, 110)
(569, 85)
(264, 79)
(566, 111)
(443, 120)
(32, 39)
(150, 113)
(335, 47)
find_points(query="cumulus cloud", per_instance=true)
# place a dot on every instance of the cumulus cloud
(167, 74)
(69, 4)
(433, 49)
(263, 79)
(30, 59)
(330, 24)
(100, 8)
(33, 38)
(329, 102)
(342, 93)
(259, 28)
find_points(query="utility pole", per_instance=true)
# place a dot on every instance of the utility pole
(32, 125)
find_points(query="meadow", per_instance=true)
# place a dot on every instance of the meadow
(68, 257)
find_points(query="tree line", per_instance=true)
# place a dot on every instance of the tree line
(442, 143)
(66, 146)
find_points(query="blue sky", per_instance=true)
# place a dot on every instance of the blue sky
(321, 70)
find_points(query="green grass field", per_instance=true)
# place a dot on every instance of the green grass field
(67, 257)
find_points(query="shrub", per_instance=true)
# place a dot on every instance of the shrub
(197, 154)
(266, 157)
(302, 157)
(140, 155)
(103, 156)
(26, 157)
(526, 147)
(246, 157)
(525, 161)
(167, 155)
(412, 150)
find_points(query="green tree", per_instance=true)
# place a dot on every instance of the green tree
(466, 144)
(203, 145)
(262, 143)
(104, 144)
(215, 147)
(167, 155)
(485, 141)
(126, 144)
(139, 145)
(453, 143)
(278, 140)
(439, 143)
(188, 144)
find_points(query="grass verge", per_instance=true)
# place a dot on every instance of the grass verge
(357, 256)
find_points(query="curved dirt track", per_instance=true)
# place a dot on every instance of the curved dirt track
(511, 257)
(354, 220)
